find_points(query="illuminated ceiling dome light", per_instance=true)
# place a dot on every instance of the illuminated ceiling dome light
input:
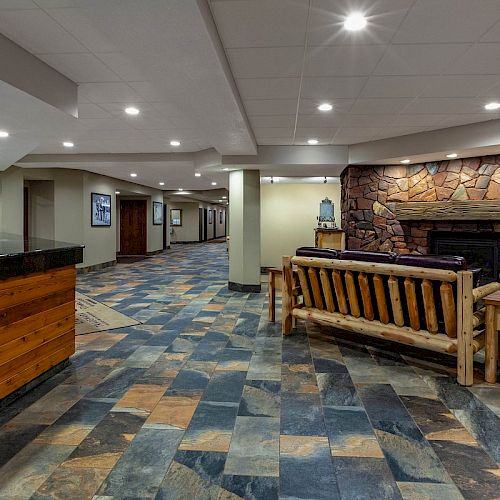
(325, 107)
(4, 134)
(161, 183)
(355, 22)
(197, 174)
(133, 174)
(175, 143)
(492, 105)
(452, 155)
(132, 111)
(405, 161)
(214, 184)
(68, 144)
(312, 142)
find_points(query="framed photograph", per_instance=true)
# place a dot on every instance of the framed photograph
(176, 217)
(210, 216)
(101, 210)
(220, 217)
(157, 213)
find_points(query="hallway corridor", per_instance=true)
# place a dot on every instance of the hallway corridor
(204, 400)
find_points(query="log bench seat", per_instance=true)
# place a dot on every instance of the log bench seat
(425, 301)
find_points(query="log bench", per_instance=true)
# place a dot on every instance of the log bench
(429, 302)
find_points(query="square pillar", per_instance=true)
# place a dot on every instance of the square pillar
(244, 230)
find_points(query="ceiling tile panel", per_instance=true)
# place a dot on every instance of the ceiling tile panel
(444, 105)
(273, 121)
(460, 85)
(118, 92)
(448, 21)
(269, 23)
(266, 62)
(424, 59)
(347, 87)
(382, 106)
(121, 65)
(394, 86)
(479, 59)
(80, 67)
(346, 60)
(37, 32)
(269, 88)
(270, 106)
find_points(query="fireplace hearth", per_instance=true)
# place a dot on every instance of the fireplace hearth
(480, 250)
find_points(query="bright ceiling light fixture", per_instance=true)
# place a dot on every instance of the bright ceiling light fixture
(405, 161)
(161, 183)
(452, 155)
(224, 197)
(133, 174)
(197, 174)
(175, 143)
(117, 192)
(225, 169)
(132, 111)
(312, 142)
(325, 107)
(214, 183)
(68, 144)
(355, 22)
(4, 134)
(180, 189)
(492, 105)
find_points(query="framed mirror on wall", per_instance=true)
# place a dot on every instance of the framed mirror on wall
(210, 220)
(176, 216)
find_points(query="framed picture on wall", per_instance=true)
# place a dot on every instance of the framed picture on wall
(220, 217)
(176, 217)
(101, 210)
(210, 216)
(157, 213)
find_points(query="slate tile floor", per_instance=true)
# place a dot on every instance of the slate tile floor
(205, 400)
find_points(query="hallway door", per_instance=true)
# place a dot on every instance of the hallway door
(205, 225)
(133, 227)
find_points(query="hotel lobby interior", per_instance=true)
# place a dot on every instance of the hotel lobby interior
(249, 249)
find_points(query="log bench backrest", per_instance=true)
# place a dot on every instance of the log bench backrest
(420, 298)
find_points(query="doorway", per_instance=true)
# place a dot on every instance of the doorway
(205, 225)
(133, 227)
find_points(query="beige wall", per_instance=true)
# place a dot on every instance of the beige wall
(189, 231)
(72, 219)
(41, 221)
(288, 217)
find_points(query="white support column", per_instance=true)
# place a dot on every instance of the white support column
(244, 230)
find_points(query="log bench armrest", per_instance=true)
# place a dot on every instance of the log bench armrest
(481, 291)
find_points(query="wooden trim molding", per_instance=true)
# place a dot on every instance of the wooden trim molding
(448, 210)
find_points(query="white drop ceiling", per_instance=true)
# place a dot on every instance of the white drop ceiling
(230, 74)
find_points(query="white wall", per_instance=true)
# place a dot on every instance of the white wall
(288, 217)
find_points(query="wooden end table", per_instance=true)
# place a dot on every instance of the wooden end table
(492, 303)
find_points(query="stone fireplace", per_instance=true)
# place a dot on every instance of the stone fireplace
(372, 197)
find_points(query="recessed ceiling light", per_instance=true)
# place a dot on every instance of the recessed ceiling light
(117, 192)
(224, 197)
(312, 142)
(4, 133)
(225, 169)
(214, 184)
(161, 183)
(197, 174)
(175, 143)
(355, 22)
(68, 144)
(325, 107)
(405, 161)
(133, 174)
(131, 110)
(452, 155)
(492, 105)
(180, 189)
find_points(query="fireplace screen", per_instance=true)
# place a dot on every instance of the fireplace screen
(479, 250)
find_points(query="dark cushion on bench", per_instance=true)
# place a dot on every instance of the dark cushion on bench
(360, 255)
(320, 253)
(446, 262)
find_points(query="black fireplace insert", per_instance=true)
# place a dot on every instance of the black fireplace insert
(480, 250)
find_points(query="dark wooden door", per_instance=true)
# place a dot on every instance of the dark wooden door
(133, 227)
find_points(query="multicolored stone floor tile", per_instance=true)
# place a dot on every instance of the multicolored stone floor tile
(204, 399)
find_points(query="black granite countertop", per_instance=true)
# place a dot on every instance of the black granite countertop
(20, 257)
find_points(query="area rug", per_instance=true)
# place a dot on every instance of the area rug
(92, 316)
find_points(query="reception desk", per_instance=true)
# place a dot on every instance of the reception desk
(37, 309)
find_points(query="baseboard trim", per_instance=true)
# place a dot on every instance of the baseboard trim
(184, 242)
(96, 267)
(155, 252)
(240, 287)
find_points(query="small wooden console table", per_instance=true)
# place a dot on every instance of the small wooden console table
(492, 323)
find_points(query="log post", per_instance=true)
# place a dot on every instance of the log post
(465, 352)
(286, 294)
(352, 294)
(383, 312)
(429, 306)
(411, 303)
(491, 345)
(449, 309)
(397, 308)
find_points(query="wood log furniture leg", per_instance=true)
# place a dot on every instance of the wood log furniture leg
(271, 295)
(465, 352)
(383, 312)
(411, 303)
(351, 293)
(397, 308)
(491, 347)
(449, 309)
(286, 293)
